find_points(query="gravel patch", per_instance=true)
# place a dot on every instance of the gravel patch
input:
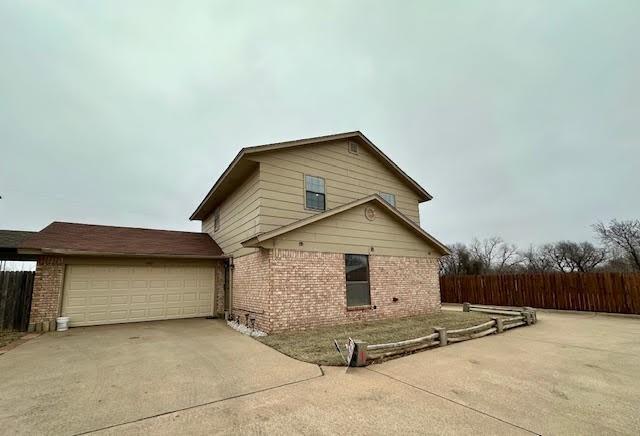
(245, 330)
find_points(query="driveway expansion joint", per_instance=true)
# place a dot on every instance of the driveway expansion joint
(453, 401)
(196, 406)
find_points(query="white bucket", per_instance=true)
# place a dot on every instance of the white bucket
(63, 322)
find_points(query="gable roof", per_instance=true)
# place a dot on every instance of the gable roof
(89, 239)
(239, 168)
(375, 198)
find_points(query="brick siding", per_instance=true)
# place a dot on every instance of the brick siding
(251, 289)
(296, 290)
(219, 288)
(47, 289)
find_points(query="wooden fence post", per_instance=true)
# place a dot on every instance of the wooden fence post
(466, 307)
(359, 353)
(534, 315)
(499, 324)
(528, 317)
(442, 333)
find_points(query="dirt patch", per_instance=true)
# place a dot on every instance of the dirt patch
(316, 345)
(8, 337)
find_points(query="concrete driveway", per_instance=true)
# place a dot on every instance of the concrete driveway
(95, 377)
(569, 374)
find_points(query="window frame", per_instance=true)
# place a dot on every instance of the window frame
(382, 194)
(304, 190)
(368, 282)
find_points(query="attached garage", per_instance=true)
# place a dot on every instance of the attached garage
(108, 275)
(108, 294)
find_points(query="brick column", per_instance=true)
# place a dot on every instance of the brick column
(219, 289)
(47, 289)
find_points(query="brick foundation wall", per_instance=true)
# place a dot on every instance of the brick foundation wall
(413, 281)
(297, 290)
(309, 289)
(251, 288)
(47, 289)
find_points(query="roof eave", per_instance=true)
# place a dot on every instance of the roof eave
(255, 241)
(67, 252)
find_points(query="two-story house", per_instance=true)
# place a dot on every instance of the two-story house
(295, 235)
(321, 231)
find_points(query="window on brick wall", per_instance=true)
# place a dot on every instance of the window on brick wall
(357, 272)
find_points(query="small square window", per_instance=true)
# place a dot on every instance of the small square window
(216, 220)
(389, 198)
(314, 193)
(353, 147)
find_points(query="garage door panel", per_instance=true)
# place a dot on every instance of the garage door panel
(138, 299)
(120, 284)
(119, 299)
(155, 284)
(156, 298)
(104, 294)
(96, 316)
(78, 285)
(118, 315)
(100, 284)
(101, 300)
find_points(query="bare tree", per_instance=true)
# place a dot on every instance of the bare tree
(536, 259)
(568, 256)
(507, 257)
(622, 236)
(460, 261)
(485, 251)
(585, 256)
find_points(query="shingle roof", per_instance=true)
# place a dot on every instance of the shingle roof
(108, 240)
(13, 238)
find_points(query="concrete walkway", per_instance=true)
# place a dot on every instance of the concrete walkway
(568, 374)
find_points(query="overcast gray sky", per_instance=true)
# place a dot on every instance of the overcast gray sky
(521, 118)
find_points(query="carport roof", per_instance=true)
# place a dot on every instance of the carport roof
(89, 239)
(10, 240)
(13, 238)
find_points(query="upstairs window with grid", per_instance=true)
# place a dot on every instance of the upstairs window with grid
(314, 193)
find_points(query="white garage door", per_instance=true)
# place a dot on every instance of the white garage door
(109, 294)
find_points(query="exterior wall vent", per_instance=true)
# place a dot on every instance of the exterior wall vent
(353, 147)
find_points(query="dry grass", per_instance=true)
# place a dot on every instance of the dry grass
(316, 345)
(7, 337)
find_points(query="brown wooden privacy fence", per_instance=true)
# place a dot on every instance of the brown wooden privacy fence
(15, 299)
(595, 292)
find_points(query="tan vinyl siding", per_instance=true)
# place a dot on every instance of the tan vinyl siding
(351, 232)
(239, 216)
(348, 177)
